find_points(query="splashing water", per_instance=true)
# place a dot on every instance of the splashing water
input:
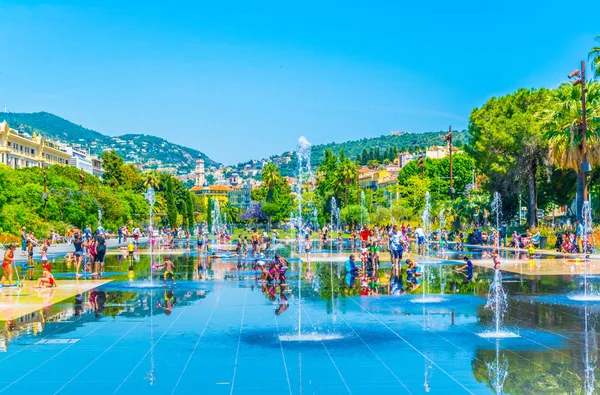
(305, 180)
(498, 303)
(587, 230)
(497, 209)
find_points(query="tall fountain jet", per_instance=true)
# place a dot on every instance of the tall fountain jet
(497, 299)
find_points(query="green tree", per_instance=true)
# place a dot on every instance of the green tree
(170, 201)
(562, 117)
(113, 167)
(270, 177)
(151, 180)
(507, 143)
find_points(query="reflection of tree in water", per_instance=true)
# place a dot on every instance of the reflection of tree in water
(535, 372)
(590, 354)
(498, 370)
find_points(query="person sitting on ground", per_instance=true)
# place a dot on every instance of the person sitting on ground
(535, 238)
(47, 279)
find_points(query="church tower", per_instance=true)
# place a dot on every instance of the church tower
(200, 178)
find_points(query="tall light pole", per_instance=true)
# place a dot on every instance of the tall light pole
(585, 166)
(45, 195)
(448, 138)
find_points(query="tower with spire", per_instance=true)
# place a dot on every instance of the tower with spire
(200, 177)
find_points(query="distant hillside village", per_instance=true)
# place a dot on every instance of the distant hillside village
(228, 184)
(20, 149)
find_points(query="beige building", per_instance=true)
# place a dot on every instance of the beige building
(440, 151)
(19, 150)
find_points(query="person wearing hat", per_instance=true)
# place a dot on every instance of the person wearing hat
(7, 262)
(350, 266)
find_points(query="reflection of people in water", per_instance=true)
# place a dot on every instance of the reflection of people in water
(396, 285)
(413, 275)
(170, 301)
(283, 304)
(78, 309)
(98, 302)
(131, 272)
(469, 270)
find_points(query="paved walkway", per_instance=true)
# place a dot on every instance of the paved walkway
(16, 302)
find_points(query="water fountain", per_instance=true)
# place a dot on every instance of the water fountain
(151, 199)
(332, 222)
(587, 224)
(428, 275)
(497, 300)
(306, 178)
(497, 210)
(498, 303)
(426, 219)
(498, 370)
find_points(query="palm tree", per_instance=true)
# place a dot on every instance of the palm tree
(270, 177)
(563, 120)
(347, 173)
(151, 179)
(595, 58)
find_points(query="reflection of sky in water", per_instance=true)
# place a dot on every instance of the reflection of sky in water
(219, 329)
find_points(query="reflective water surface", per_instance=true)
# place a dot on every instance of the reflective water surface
(220, 330)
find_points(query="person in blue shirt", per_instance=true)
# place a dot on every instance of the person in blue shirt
(469, 270)
(350, 266)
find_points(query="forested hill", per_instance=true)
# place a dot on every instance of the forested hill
(380, 148)
(411, 142)
(133, 147)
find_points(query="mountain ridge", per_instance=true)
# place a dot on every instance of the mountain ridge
(142, 148)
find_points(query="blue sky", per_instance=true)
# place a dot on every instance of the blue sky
(244, 79)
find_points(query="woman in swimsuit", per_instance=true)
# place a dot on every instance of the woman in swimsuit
(9, 260)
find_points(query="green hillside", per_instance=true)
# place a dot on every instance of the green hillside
(130, 146)
(384, 145)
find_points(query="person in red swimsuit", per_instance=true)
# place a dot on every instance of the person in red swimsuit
(47, 279)
(9, 260)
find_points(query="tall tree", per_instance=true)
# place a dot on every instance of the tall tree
(270, 177)
(507, 143)
(113, 167)
(562, 117)
(151, 179)
(171, 204)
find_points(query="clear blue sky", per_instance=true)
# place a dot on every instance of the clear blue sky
(245, 79)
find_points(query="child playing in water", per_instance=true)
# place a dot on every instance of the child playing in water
(47, 279)
(30, 265)
(169, 267)
(495, 260)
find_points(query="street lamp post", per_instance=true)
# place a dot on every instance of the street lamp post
(448, 138)
(45, 195)
(585, 166)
